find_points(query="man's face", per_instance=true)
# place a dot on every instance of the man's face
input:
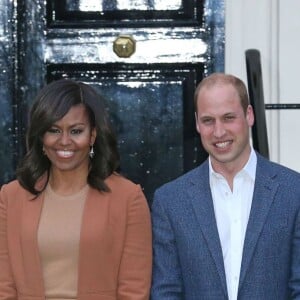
(224, 126)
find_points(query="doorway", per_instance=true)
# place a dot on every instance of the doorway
(145, 57)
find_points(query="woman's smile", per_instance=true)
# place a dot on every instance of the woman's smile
(65, 153)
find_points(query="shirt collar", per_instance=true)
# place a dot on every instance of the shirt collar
(249, 168)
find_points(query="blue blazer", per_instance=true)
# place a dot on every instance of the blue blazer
(188, 261)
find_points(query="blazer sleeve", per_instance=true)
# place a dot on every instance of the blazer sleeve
(7, 284)
(166, 276)
(136, 262)
(295, 265)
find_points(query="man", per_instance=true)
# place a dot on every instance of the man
(230, 228)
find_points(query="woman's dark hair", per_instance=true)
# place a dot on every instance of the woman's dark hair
(50, 105)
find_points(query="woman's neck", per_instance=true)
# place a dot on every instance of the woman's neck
(65, 183)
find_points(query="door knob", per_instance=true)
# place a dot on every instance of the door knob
(124, 45)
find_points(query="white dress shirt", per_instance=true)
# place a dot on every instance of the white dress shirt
(232, 209)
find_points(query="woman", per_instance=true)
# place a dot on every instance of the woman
(70, 226)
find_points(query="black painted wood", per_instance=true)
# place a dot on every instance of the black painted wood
(256, 95)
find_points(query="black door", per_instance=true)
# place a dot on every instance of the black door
(145, 57)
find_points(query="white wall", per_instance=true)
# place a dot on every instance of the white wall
(272, 27)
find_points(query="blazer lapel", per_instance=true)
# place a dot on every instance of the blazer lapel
(202, 203)
(263, 196)
(95, 241)
(29, 247)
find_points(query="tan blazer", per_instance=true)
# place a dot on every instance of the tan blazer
(115, 257)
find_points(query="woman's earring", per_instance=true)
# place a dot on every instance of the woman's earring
(92, 153)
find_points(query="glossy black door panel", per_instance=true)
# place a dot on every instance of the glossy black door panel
(151, 110)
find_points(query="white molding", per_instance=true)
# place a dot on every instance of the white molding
(254, 24)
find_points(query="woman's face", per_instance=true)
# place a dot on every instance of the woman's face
(67, 142)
